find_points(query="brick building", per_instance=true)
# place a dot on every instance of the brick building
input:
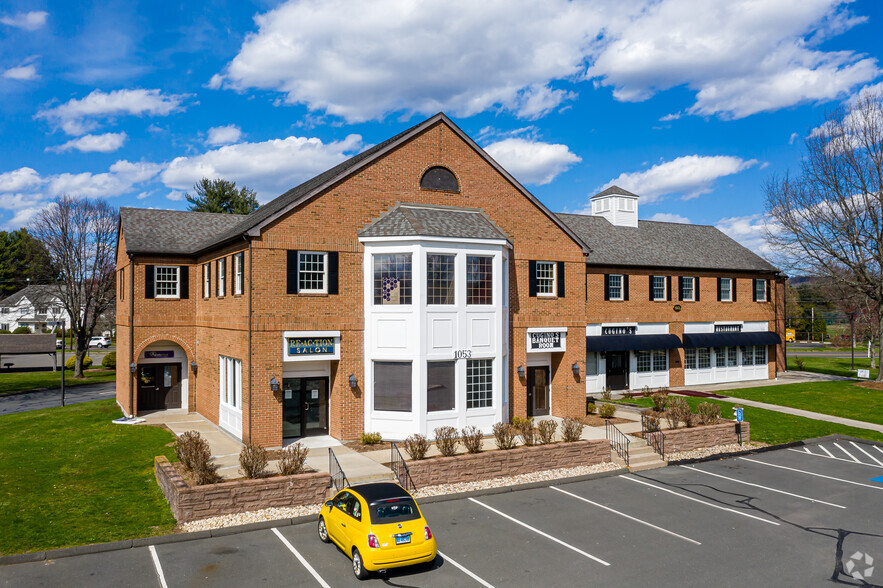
(418, 284)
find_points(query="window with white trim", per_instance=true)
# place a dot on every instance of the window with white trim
(759, 354)
(238, 273)
(479, 383)
(440, 270)
(591, 363)
(760, 292)
(732, 357)
(614, 287)
(659, 288)
(222, 276)
(392, 278)
(704, 356)
(726, 289)
(546, 278)
(660, 361)
(720, 357)
(747, 354)
(207, 280)
(312, 268)
(479, 280)
(166, 281)
(690, 358)
(644, 361)
(392, 386)
(440, 387)
(230, 381)
(687, 287)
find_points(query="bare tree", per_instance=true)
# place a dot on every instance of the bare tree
(80, 236)
(828, 219)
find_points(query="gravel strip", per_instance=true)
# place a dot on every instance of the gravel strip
(271, 514)
(715, 450)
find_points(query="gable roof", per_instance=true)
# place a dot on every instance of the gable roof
(172, 231)
(36, 294)
(424, 220)
(25, 344)
(659, 244)
(614, 190)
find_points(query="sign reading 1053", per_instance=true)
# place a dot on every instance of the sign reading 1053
(462, 354)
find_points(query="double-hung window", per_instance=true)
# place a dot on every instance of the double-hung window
(760, 293)
(230, 381)
(312, 272)
(479, 280)
(238, 273)
(479, 383)
(440, 279)
(688, 286)
(614, 287)
(546, 278)
(207, 280)
(659, 289)
(726, 289)
(222, 276)
(392, 279)
(167, 280)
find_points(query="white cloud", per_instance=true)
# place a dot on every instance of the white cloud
(689, 175)
(175, 195)
(29, 21)
(532, 162)
(459, 56)
(268, 167)
(748, 230)
(106, 143)
(22, 73)
(667, 217)
(223, 135)
(793, 137)
(23, 178)
(79, 116)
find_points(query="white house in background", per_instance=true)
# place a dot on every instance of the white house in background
(36, 307)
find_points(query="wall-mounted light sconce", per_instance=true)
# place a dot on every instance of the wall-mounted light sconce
(274, 384)
(193, 366)
(354, 381)
(575, 368)
(520, 370)
(133, 367)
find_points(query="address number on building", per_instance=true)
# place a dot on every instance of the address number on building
(462, 354)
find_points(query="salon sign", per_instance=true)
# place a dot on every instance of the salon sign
(311, 345)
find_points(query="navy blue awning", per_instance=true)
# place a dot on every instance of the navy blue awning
(730, 339)
(632, 342)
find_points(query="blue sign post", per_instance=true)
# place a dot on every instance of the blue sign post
(738, 414)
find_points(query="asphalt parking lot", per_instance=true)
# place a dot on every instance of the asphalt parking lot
(804, 516)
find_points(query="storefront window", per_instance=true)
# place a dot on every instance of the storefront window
(704, 355)
(479, 383)
(759, 355)
(392, 386)
(392, 279)
(720, 357)
(747, 355)
(690, 359)
(732, 358)
(643, 360)
(591, 364)
(440, 386)
(479, 280)
(440, 279)
(660, 364)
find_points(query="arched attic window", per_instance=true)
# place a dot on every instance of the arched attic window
(439, 178)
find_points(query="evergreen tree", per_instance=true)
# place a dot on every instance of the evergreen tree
(23, 260)
(222, 196)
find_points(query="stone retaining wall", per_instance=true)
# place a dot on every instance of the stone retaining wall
(191, 503)
(496, 463)
(706, 436)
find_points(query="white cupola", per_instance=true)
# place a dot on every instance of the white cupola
(618, 206)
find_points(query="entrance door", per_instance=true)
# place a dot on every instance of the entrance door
(617, 370)
(304, 406)
(159, 386)
(538, 390)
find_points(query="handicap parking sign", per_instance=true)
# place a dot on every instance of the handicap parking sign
(738, 415)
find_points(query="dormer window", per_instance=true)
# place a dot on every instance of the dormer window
(439, 178)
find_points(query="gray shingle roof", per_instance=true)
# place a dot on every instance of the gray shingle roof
(22, 344)
(614, 190)
(658, 244)
(37, 294)
(172, 231)
(420, 220)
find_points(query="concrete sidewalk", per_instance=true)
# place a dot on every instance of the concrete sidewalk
(803, 413)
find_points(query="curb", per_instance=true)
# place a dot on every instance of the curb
(718, 456)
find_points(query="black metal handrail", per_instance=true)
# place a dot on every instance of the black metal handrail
(619, 442)
(400, 468)
(653, 434)
(338, 478)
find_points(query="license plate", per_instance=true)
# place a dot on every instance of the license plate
(401, 539)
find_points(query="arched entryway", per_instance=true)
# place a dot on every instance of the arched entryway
(162, 377)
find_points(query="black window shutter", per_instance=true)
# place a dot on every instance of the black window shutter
(651, 288)
(733, 288)
(606, 286)
(719, 289)
(148, 281)
(754, 289)
(291, 274)
(560, 279)
(668, 288)
(680, 287)
(332, 272)
(769, 295)
(532, 278)
(696, 289)
(184, 278)
(625, 287)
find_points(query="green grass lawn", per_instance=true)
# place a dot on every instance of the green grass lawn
(838, 366)
(772, 427)
(19, 381)
(859, 350)
(68, 476)
(843, 399)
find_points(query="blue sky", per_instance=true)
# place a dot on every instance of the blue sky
(690, 105)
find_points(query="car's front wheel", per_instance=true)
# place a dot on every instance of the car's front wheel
(359, 566)
(323, 531)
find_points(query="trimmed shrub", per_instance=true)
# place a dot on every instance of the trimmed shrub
(606, 394)
(110, 360)
(527, 430)
(629, 395)
(206, 472)
(672, 417)
(708, 413)
(590, 408)
(72, 361)
(546, 430)
(446, 439)
(253, 461)
(416, 445)
(370, 438)
(659, 399)
(187, 447)
(5, 332)
(679, 411)
(504, 435)
(21, 331)
(571, 429)
(292, 459)
(471, 437)
(652, 418)
(607, 411)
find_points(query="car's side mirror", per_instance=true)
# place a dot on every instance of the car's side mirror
(329, 504)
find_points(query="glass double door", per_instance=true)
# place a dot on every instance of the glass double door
(159, 386)
(304, 407)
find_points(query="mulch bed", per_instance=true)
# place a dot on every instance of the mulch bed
(357, 446)
(593, 420)
(871, 385)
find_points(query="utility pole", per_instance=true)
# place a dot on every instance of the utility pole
(62, 362)
(812, 324)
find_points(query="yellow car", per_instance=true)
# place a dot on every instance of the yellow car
(379, 526)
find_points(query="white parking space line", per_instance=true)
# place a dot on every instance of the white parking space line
(157, 566)
(851, 456)
(763, 487)
(877, 447)
(712, 505)
(629, 517)
(301, 559)
(862, 449)
(825, 449)
(772, 465)
(538, 532)
(843, 459)
(464, 570)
